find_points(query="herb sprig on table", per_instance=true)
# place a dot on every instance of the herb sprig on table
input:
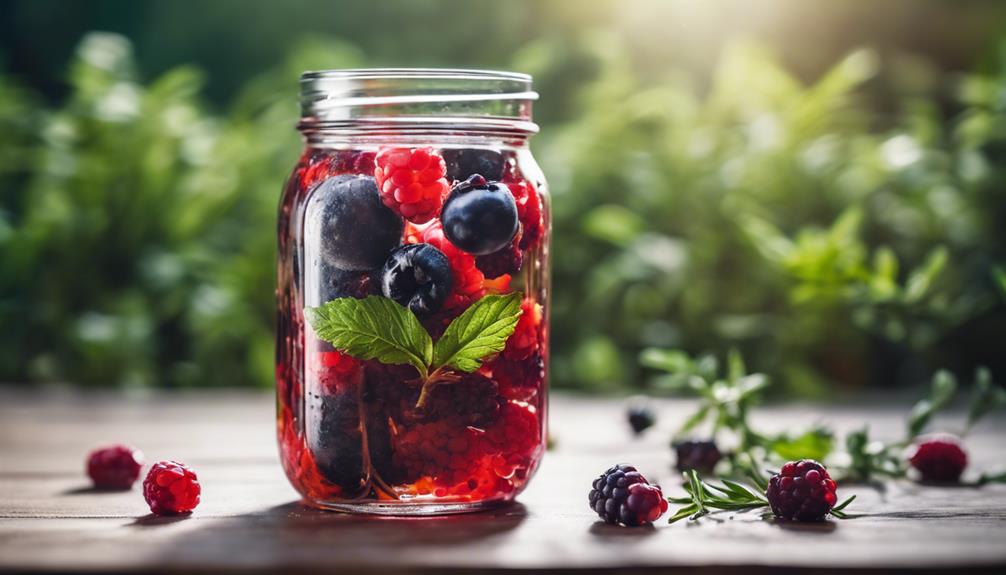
(726, 398)
(704, 497)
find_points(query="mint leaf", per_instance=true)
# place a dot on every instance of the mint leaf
(480, 331)
(373, 328)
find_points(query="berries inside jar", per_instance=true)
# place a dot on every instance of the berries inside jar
(382, 222)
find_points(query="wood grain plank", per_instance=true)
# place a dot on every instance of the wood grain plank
(250, 520)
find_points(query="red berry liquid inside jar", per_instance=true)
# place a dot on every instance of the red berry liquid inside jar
(413, 293)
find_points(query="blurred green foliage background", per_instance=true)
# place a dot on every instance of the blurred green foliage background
(819, 185)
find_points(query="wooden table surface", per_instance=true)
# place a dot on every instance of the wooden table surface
(250, 519)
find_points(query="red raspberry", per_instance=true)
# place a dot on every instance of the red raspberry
(521, 379)
(503, 262)
(528, 212)
(939, 458)
(337, 372)
(446, 450)
(525, 339)
(517, 431)
(114, 467)
(171, 487)
(468, 280)
(353, 162)
(801, 491)
(316, 166)
(412, 182)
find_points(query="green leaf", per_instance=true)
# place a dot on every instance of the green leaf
(373, 328)
(694, 420)
(613, 223)
(987, 396)
(994, 477)
(735, 364)
(843, 504)
(696, 490)
(944, 386)
(999, 277)
(922, 279)
(814, 443)
(480, 331)
(683, 512)
(670, 360)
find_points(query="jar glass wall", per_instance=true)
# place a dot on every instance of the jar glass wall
(413, 294)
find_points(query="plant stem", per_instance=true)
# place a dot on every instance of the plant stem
(439, 375)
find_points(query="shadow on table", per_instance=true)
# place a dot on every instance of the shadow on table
(296, 535)
(297, 519)
(151, 520)
(602, 529)
(91, 490)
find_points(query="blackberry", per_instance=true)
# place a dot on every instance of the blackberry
(640, 416)
(463, 163)
(474, 400)
(801, 491)
(939, 458)
(700, 455)
(622, 495)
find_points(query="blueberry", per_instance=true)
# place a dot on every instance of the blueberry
(480, 217)
(463, 163)
(335, 283)
(333, 436)
(641, 417)
(419, 277)
(357, 230)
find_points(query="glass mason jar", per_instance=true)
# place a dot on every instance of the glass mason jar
(413, 293)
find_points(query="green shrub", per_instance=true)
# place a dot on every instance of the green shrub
(825, 242)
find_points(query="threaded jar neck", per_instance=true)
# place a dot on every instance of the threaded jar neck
(365, 102)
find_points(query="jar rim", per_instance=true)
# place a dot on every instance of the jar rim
(457, 73)
(411, 99)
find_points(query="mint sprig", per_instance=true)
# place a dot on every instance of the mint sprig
(380, 329)
(480, 331)
(374, 328)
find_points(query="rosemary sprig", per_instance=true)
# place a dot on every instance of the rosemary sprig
(703, 497)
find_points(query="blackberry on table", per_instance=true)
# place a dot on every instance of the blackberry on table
(700, 455)
(622, 495)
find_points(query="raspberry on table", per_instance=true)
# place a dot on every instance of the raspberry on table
(622, 495)
(171, 488)
(700, 455)
(801, 491)
(114, 467)
(412, 182)
(939, 458)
